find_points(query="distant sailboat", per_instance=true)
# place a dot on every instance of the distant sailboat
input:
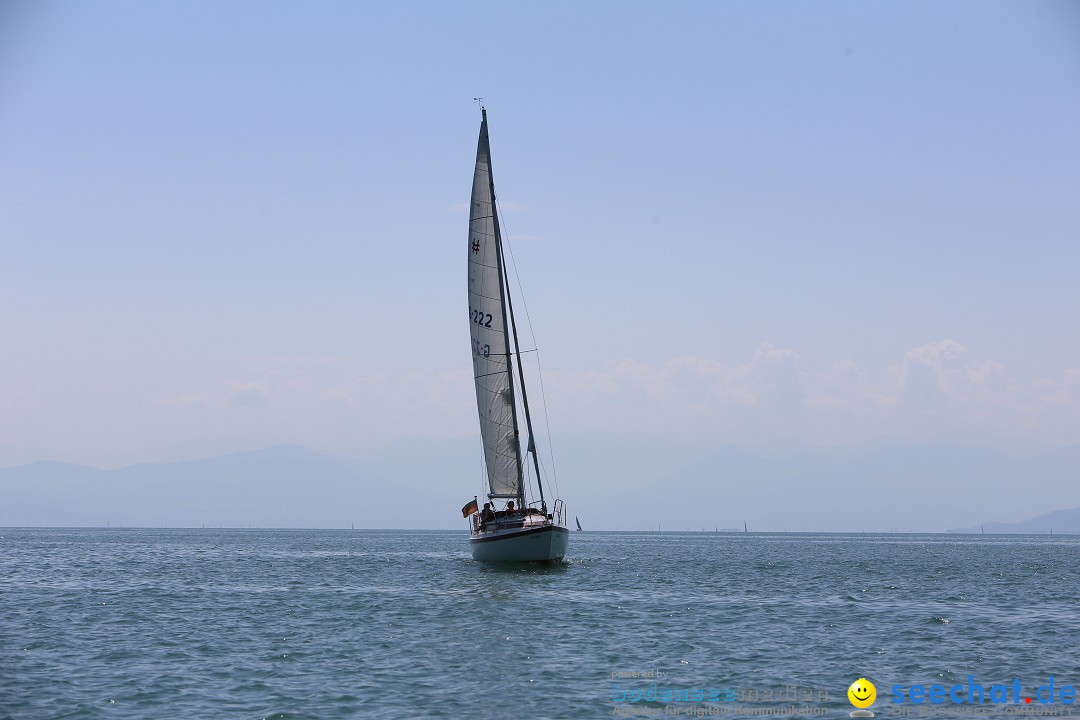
(578, 523)
(744, 527)
(516, 533)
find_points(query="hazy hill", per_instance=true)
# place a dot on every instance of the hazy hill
(1059, 522)
(926, 488)
(281, 486)
(610, 482)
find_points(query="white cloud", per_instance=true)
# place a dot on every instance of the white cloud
(936, 392)
(249, 395)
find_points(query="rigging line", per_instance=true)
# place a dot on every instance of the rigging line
(500, 372)
(532, 332)
(517, 276)
(497, 372)
(547, 424)
(504, 283)
(527, 488)
(483, 469)
(554, 482)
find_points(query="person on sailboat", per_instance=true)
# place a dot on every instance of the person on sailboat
(487, 515)
(510, 508)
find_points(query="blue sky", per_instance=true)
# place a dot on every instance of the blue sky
(774, 225)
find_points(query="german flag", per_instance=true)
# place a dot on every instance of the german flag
(469, 508)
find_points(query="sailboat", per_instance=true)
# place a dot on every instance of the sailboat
(518, 532)
(578, 523)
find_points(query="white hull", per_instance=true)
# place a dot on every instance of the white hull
(531, 544)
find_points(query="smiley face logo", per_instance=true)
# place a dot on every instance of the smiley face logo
(862, 693)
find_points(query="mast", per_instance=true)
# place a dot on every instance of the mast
(504, 286)
(521, 379)
(503, 290)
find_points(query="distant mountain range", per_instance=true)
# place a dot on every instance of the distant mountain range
(924, 488)
(281, 486)
(1059, 522)
(611, 483)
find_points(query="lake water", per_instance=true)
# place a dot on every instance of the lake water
(128, 623)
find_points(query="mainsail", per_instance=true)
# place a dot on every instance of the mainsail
(490, 338)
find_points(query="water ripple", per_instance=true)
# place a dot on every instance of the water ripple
(343, 624)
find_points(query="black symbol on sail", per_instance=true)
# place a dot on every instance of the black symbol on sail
(475, 246)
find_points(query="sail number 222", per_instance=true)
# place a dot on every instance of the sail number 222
(483, 320)
(480, 318)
